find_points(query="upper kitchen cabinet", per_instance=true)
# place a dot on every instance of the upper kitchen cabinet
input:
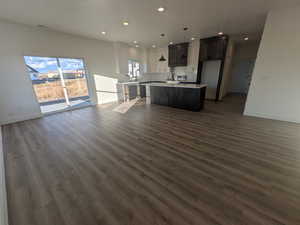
(178, 54)
(213, 48)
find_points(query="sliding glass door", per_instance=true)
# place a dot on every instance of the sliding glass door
(74, 77)
(59, 83)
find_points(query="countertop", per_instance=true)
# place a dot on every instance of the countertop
(139, 82)
(176, 85)
(130, 83)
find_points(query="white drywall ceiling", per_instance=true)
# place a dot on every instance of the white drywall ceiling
(90, 17)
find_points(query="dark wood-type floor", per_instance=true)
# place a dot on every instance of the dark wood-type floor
(153, 165)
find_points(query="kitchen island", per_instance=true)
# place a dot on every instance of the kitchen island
(183, 96)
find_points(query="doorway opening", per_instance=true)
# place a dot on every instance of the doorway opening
(243, 62)
(59, 83)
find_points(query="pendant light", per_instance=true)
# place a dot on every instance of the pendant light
(162, 58)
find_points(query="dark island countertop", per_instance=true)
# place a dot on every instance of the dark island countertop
(180, 85)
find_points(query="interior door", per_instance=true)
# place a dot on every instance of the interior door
(242, 74)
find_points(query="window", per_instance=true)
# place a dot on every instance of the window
(58, 83)
(134, 69)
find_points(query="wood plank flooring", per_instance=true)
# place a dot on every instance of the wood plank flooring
(153, 165)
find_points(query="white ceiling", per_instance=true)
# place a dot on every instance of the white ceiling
(90, 17)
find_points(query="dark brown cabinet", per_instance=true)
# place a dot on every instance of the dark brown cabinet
(178, 54)
(213, 48)
(142, 91)
(177, 97)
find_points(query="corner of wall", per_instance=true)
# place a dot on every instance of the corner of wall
(3, 195)
(227, 74)
(18, 119)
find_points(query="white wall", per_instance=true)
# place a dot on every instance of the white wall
(159, 71)
(154, 65)
(106, 85)
(124, 52)
(17, 99)
(275, 88)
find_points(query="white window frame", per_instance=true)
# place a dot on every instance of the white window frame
(134, 74)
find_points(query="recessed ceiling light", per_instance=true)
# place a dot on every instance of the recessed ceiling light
(103, 32)
(170, 42)
(125, 23)
(246, 38)
(220, 33)
(192, 39)
(161, 9)
(137, 46)
(153, 46)
(135, 42)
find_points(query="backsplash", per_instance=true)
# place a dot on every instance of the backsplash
(189, 72)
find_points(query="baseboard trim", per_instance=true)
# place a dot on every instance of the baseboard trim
(30, 117)
(104, 103)
(3, 193)
(68, 109)
(271, 117)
